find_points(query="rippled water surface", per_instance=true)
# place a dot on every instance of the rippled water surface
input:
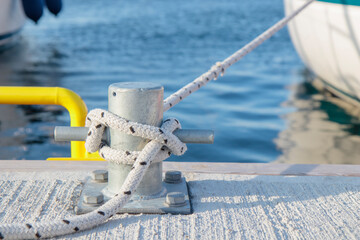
(262, 110)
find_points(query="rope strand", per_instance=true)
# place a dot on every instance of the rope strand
(97, 120)
(220, 67)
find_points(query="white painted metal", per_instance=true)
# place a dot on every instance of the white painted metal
(327, 38)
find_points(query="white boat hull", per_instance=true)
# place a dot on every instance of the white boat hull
(12, 19)
(327, 38)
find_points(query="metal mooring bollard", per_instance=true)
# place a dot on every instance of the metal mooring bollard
(143, 103)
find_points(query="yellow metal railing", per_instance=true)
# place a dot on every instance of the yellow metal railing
(53, 96)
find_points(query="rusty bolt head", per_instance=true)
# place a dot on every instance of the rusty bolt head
(175, 199)
(100, 175)
(93, 198)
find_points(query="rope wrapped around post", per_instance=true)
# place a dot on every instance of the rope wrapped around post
(98, 119)
(162, 143)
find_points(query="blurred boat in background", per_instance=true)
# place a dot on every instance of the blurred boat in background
(13, 14)
(327, 38)
(12, 19)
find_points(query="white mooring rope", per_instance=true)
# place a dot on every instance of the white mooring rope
(162, 143)
(98, 119)
(220, 67)
(159, 137)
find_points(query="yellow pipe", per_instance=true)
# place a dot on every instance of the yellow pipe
(51, 96)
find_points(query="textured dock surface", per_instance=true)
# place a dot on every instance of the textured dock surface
(226, 206)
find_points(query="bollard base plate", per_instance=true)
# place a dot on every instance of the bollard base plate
(137, 204)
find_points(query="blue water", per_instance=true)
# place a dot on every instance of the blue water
(262, 110)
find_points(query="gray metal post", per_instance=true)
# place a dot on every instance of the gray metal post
(143, 103)
(184, 135)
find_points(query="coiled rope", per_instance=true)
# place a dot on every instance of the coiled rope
(98, 119)
(162, 143)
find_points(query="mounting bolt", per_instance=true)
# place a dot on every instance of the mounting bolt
(93, 198)
(175, 199)
(172, 177)
(100, 175)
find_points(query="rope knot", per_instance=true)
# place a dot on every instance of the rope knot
(217, 69)
(98, 119)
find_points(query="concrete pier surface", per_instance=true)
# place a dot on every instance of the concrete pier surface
(229, 200)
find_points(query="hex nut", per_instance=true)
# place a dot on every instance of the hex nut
(172, 177)
(93, 198)
(100, 175)
(175, 199)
